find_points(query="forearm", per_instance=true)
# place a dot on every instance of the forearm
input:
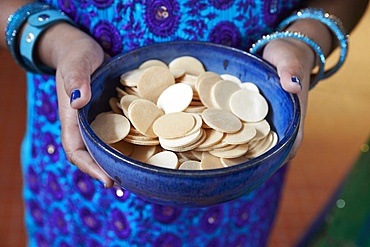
(48, 46)
(7, 8)
(348, 11)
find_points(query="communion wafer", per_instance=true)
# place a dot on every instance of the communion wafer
(221, 120)
(230, 77)
(143, 153)
(153, 81)
(227, 162)
(250, 86)
(189, 155)
(212, 138)
(262, 128)
(249, 106)
(244, 135)
(235, 152)
(190, 165)
(174, 125)
(125, 102)
(204, 87)
(165, 159)
(153, 62)
(197, 125)
(131, 77)
(175, 98)
(142, 114)
(136, 141)
(123, 147)
(114, 105)
(177, 73)
(182, 141)
(110, 127)
(189, 147)
(190, 64)
(187, 79)
(261, 146)
(210, 162)
(221, 93)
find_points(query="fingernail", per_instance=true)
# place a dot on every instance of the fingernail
(296, 80)
(76, 94)
(102, 183)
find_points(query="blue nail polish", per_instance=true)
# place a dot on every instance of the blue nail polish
(102, 183)
(295, 79)
(75, 95)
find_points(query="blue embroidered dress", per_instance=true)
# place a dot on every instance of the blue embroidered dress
(65, 207)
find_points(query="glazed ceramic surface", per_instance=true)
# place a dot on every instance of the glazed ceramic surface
(192, 188)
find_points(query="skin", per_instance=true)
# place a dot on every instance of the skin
(75, 55)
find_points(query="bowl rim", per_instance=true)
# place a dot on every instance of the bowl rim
(290, 133)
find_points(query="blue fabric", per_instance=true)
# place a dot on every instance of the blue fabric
(65, 207)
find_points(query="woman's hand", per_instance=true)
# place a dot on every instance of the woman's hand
(294, 61)
(75, 55)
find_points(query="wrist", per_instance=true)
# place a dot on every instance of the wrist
(52, 42)
(63, 43)
(316, 30)
(334, 26)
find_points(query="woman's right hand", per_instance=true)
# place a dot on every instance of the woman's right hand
(75, 56)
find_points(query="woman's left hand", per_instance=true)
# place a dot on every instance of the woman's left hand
(294, 61)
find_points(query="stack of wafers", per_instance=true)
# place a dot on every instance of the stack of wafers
(180, 116)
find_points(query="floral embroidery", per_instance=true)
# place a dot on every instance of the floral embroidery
(211, 219)
(58, 219)
(165, 214)
(108, 37)
(54, 187)
(120, 225)
(83, 184)
(226, 33)
(90, 220)
(162, 17)
(32, 180)
(68, 7)
(36, 211)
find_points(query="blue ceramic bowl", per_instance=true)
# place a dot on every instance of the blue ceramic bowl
(192, 188)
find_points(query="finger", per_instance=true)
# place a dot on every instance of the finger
(72, 141)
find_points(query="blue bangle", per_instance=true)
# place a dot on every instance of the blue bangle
(332, 22)
(294, 35)
(36, 24)
(15, 23)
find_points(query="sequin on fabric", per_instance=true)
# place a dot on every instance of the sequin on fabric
(65, 207)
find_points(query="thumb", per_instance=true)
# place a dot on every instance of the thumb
(75, 76)
(293, 60)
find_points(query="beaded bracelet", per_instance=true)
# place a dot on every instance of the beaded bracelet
(15, 23)
(332, 22)
(315, 78)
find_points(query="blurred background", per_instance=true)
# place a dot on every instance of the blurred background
(337, 129)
